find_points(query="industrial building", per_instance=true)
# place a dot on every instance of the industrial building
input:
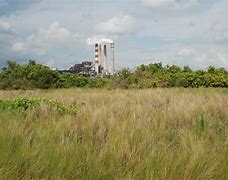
(85, 68)
(103, 64)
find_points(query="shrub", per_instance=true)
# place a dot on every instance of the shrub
(22, 105)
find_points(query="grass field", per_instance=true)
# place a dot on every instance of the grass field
(117, 134)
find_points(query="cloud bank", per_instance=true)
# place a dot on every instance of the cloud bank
(183, 32)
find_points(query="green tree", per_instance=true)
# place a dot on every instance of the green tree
(11, 65)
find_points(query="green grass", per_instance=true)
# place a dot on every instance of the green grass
(117, 134)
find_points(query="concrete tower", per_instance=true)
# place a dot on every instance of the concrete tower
(97, 58)
(112, 59)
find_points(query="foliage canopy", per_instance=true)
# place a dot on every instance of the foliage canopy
(33, 75)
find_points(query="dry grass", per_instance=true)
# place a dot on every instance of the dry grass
(118, 134)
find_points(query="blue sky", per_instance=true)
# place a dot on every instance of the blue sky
(56, 32)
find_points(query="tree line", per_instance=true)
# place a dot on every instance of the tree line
(37, 76)
(33, 75)
(157, 75)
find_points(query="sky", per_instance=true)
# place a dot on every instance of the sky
(58, 33)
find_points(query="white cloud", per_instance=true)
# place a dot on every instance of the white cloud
(169, 3)
(7, 35)
(158, 3)
(222, 58)
(197, 56)
(123, 24)
(19, 47)
(207, 25)
(4, 26)
(187, 4)
(184, 52)
(52, 36)
(47, 38)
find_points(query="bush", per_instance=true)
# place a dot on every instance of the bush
(22, 105)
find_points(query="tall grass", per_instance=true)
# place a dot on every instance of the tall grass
(118, 134)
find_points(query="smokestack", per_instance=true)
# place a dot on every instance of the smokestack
(97, 58)
(100, 55)
(112, 59)
(105, 58)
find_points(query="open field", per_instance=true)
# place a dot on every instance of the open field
(117, 134)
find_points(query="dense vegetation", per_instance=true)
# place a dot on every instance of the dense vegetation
(156, 75)
(114, 134)
(32, 75)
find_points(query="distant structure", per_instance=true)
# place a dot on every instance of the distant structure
(101, 60)
(85, 68)
(100, 67)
